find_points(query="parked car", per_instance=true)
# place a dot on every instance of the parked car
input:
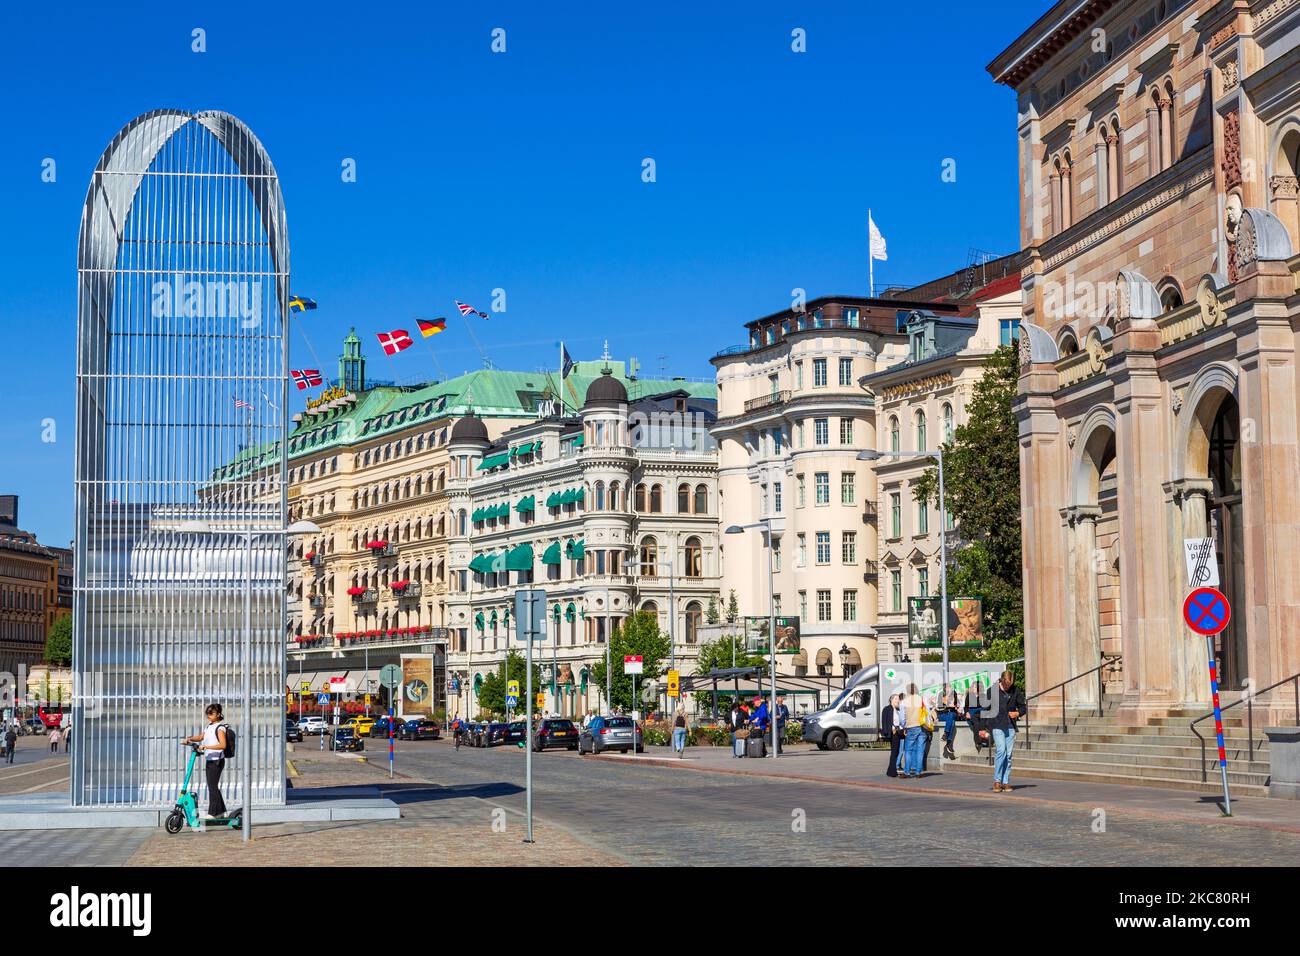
(314, 724)
(420, 728)
(610, 733)
(516, 732)
(291, 730)
(344, 739)
(554, 732)
(34, 725)
(360, 724)
(380, 727)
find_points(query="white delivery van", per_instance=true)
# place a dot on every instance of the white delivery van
(853, 717)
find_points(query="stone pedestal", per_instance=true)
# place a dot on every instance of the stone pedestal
(1284, 762)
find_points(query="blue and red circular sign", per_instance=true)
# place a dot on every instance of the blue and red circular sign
(1206, 611)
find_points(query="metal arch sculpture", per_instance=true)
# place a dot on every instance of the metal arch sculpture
(182, 393)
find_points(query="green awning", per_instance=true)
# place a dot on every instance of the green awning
(478, 620)
(555, 613)
(493, 461)
(526, 505)
(514, 451)
(499, 511)
(552, 554)
(525, 449)
(520, 559)
(493, 619)
(576, 549)
(553, 500)
(568, 497)
(478, 515)
(570, 612)
(499, 562)
(482, 563)
(577, 442)
(580, 494)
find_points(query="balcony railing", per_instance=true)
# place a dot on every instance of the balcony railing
(764, 401)
(869, 512)
(412, 590)
(318, 601)
(316, 561)
(871, 572)
(368, 596)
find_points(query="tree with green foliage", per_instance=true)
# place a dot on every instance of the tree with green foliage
(717, 655)
(982, 494)
(639, 634)
(711, 614)
(58, 642)
(733, 608)
(492, 692)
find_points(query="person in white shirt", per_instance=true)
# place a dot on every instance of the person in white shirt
(914, 735)
(213, 744)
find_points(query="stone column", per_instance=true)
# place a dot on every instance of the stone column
(1189, 508)
(1082, 619)
(1112, 167)
(1166, 132)
(1155, 141)
(1067, 198)
(1142, 452)
(1100, 174)
(1270, 459)
(1055, 193)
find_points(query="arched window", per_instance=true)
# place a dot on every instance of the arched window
(947, 422)
(920, 431)
(701, 499)
(683, 499)
(1171, 297)
(600, 496)
(893, 434)
(460, 520)
(656, 499)
(694, 618)
(649, 558)
(639, 504)
(1283, 184)
(613, 496)
(694, 558)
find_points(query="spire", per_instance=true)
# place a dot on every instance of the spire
(352, 364)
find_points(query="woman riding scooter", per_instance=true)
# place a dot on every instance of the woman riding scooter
(213, 743)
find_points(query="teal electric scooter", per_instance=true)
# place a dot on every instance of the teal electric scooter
(187, 805)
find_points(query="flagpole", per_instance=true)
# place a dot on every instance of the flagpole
(560, 389)
(871, 260)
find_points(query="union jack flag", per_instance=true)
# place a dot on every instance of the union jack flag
(469, 309)
(240, 403)
(394, 341)
(306, 378)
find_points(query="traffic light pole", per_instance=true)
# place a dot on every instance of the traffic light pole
(528, 723)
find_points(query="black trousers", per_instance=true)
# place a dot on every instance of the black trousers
(895, 741)
(216, 805)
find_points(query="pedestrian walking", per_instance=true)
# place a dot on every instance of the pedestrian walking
(782, 718)
(889, 731)
(1010, 708)
(948, 714)
(11, 743)
(974, 710)
(914, 718)
(55, 737)
(681, 727)
(67, 739)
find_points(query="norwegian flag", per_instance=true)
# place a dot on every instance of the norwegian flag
(394, 341)
(240, 403)
(306, 378)
(469, 309)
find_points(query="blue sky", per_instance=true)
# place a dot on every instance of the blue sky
(519, 171)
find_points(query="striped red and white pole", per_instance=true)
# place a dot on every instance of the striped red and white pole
(390, 739)
(1218, 725)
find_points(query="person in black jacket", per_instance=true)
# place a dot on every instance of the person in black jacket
(889, 731)
(1008, 707)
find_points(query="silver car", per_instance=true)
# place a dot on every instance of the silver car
(610, 733)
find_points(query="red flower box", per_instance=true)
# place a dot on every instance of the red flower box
(309, 555)
(356, 591)
(399, 585)
(376, 544)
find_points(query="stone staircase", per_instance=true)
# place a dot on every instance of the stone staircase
(1163, 753)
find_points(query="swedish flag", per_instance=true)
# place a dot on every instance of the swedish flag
(298, 303)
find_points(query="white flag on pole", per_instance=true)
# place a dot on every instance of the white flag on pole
(877, 241)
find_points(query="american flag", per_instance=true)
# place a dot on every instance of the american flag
(394, 341)
(240, 403)
(306, 378)
(469, 309)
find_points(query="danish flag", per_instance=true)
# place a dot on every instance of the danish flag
(394, 341)
(469, 309)
(306, 378)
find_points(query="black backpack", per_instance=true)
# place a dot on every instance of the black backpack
(229, 750)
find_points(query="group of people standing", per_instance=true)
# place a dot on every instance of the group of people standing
(758, 717)
(909, 720)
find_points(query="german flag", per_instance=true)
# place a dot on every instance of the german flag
(428, 328)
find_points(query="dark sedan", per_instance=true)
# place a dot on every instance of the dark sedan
(516, 732)
(380, 727)
(424, 729)
(556, 733)
(292, 731)
(343, 739)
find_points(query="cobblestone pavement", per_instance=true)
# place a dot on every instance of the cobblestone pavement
(34, 769)
(440, 826)
(655, 815)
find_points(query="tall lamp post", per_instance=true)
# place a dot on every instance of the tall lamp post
(871, 454)
(766, 525)
(208, 527)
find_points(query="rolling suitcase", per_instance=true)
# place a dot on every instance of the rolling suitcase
(738, 747)
(756, 747)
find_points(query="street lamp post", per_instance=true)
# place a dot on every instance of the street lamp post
(207, 527)
(766, 524)
(871, 454)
